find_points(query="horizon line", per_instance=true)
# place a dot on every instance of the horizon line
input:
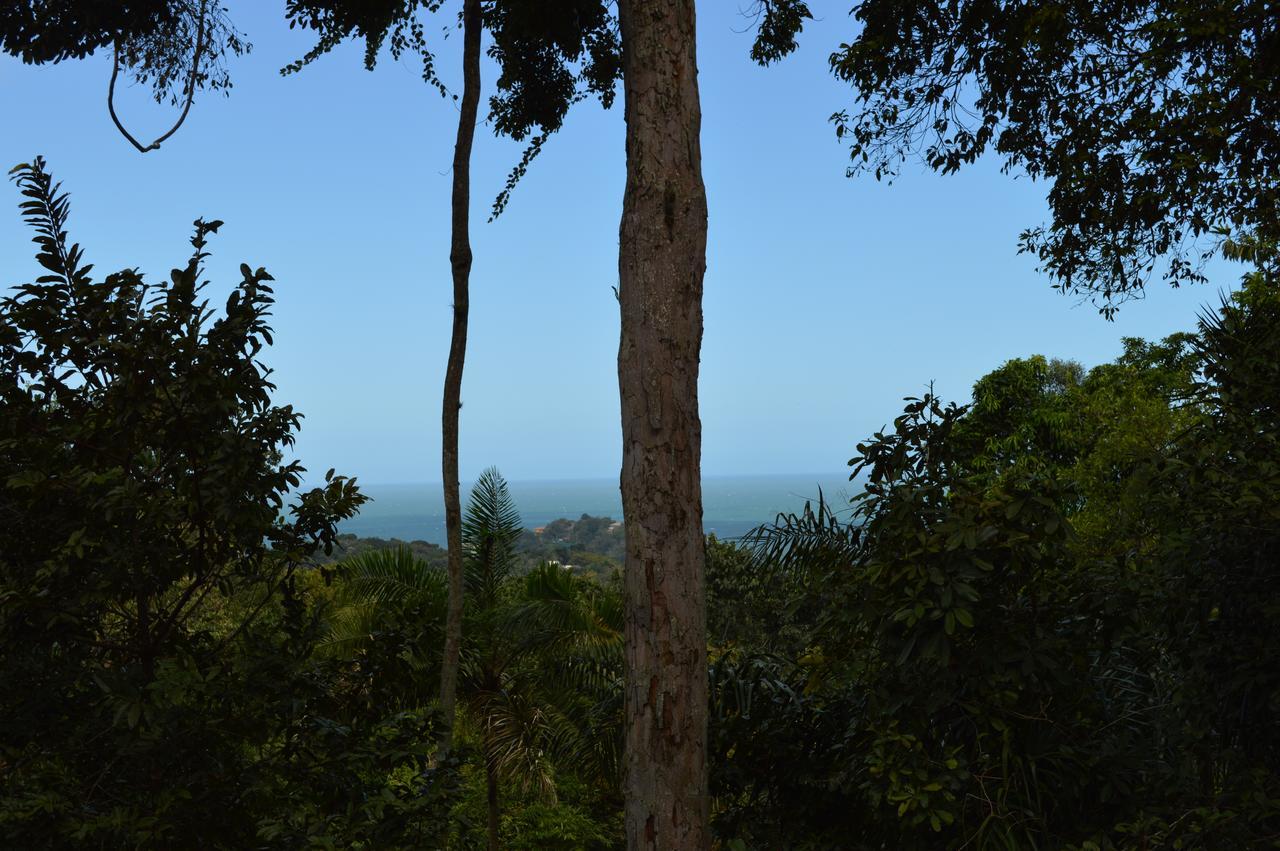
(563, 479)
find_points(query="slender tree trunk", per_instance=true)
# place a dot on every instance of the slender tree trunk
(662, 257)
(460, 260)
(491, 776)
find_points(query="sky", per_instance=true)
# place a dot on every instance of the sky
(827, 299)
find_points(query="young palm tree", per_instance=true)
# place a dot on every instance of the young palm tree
(541, 670)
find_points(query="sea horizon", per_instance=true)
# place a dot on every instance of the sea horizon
(733, 505)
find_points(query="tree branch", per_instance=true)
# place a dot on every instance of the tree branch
(191, 88)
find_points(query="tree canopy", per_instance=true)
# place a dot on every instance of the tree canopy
(156, 643)
(1156, 124)
(174, 46)
(1047, 623)
(71, 29)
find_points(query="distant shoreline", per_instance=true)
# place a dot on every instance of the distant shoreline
(613, 480)
(732, 505)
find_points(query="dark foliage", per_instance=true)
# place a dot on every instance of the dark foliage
(155, 40)
(1049, 623)
(1157, 124)
(551, 55)
(38, 31)
(155, 642)
(778, 24)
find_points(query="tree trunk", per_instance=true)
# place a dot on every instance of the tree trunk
(460, 260)
(662, 257)
(491, 777)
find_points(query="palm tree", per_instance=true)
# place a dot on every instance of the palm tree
(541, 662)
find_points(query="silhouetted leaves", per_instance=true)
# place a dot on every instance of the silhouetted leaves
(156, 634)
(1156, 124)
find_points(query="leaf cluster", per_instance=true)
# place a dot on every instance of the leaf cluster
(1048, 621)
(38, 32)
(157, 642)
(155, 39)
(1154, 122)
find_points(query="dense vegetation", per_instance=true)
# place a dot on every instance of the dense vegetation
(348, 545)
(1049, 621)
(162, 686)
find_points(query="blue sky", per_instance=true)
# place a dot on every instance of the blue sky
(827, 299)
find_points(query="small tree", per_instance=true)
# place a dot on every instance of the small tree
(541, 656)
(154, 641)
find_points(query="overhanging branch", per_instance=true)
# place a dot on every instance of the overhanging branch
(191, 88)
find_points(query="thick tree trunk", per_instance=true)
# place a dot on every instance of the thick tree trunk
(662, 257)
(460, 260)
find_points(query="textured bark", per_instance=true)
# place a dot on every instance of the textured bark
(662, 257)
(460, 260)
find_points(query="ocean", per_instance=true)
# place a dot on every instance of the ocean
(731, 505)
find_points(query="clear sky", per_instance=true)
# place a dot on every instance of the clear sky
(827, 299)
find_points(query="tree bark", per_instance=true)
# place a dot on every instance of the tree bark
(662, 258)
(460, 260)
(491, 778)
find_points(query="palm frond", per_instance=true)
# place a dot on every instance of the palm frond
(350, 628)
(600, 724)
(490, 530)
(561, 613)
(372, 588)
(389, 576)
(524, 737)
(814, 539)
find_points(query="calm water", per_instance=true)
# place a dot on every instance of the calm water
(732, 505)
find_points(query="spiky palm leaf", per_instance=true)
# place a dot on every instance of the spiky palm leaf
(813, 539)
(490, 531)
(574, 631)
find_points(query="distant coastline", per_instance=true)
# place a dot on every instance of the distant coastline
(732, 505)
